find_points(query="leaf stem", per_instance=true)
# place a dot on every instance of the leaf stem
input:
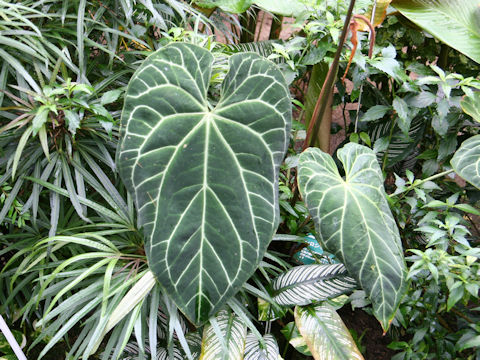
(420, 182)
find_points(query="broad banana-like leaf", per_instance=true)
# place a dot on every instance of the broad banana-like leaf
(278, 7)
(456, 23)
(255, 351)
(471, 105)
(304, 284)
(354, 222)
(325, 333)
(233, 333)
(286, 7)
(204, 179)
(232, 6)
(466, 160)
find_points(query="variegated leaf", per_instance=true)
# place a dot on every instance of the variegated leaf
(325, 333)
(233, 332)
(466, 160)
(204, 179)
(304, 284)
(255, 351)
(162, 354)
(354, 222)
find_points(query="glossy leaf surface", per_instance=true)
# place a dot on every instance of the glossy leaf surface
(325, 333)
(304, 284)
(204, 179)
(466, 160)
(354, 222)
(455, 23)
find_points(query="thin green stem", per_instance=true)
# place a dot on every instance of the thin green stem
(420, 182)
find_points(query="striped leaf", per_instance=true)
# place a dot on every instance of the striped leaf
(305, 284)
(255, 351)
(354, 222)
(325, 333)
(466, 160)
(224, 338)
(204, 179)
(162, 354)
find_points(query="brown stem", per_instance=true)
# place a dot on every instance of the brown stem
(327, 87)
(458, 313)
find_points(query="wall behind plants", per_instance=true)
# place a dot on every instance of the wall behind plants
(130, 190)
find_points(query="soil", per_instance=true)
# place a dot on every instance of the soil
(373, 341)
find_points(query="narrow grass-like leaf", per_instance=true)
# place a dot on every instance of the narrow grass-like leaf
(67, 175)
(10, 199)
(21, 145)
(42, 136)
(152, 321)
(68, 325)
(136, 294)
(20, 69)
(77, 280)
(95, 206)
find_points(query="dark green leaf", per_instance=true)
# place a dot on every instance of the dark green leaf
(204, 180)
(375, 112)
(354, 222)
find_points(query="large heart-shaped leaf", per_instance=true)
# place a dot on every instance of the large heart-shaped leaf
(466, 160)
(325, 333)
(353, 221)
(204, 178)
(304, 284)
(456, 23)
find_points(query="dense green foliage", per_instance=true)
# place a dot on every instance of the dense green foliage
(150, 205)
